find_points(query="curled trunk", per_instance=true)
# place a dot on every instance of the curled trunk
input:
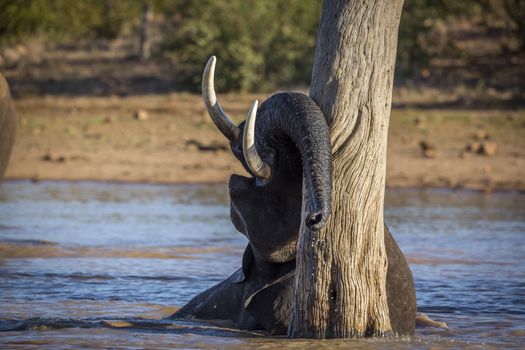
(295, 117)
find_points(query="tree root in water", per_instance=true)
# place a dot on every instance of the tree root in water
(422, 320)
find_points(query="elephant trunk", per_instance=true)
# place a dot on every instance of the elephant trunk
(297, 117)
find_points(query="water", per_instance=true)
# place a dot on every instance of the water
(99, 265)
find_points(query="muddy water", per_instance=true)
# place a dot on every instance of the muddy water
(100, 265)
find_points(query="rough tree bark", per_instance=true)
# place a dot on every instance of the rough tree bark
(7, 125)
(341, 270)
(145, 40)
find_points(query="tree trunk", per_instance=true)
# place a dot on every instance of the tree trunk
(145, 41)
(340, 286)
(7, 125)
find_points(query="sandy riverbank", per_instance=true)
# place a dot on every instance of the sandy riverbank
(100, 138)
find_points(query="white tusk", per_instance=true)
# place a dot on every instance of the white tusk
(254, 161)
(221, 120)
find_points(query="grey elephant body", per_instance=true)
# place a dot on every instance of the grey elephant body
(260, 297)
(7, 125)
(293, 155)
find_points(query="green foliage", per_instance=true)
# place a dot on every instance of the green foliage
(109, 16)
(65, 18)
(415, 44)
(515, 10)
(266, 44)
(260, 44)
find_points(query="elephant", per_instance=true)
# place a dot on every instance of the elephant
(285, 147)
(7, 125)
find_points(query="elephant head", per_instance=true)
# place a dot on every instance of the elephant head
(285, 145)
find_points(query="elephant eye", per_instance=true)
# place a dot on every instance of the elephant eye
(260, 182)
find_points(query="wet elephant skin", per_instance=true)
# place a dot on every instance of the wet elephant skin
(260, 297)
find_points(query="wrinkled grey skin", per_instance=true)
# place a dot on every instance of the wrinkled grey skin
(7, 125)
(293, 138)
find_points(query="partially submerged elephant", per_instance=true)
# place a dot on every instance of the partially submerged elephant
(7, 125)
(283, 142)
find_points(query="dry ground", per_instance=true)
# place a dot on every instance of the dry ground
(98, 138)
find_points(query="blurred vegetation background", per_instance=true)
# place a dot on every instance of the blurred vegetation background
(264, 45)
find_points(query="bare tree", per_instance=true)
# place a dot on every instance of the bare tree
(341, 269)
(145, 40)
(7, 125)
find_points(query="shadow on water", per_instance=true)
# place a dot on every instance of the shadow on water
(218, 329)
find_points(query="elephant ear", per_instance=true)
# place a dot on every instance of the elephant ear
(247, 261)
(271, 305)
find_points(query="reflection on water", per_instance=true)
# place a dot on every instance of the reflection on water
(100, 265)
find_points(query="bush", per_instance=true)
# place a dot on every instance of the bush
(416, 46)
(260, 44)
(64, 18)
